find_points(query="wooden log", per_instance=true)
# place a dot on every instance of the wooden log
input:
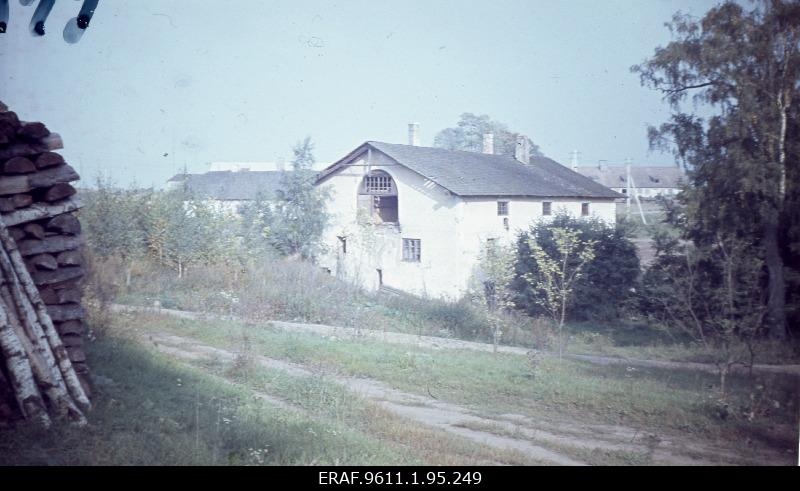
(53, 175)
(17, 233)
(54, 243)
(42, 179)
(37, 211)
(53, 277)
(10, 118)
(49, 297)
(76, 354)
(34, 231)
(66, 312)
(33, 131)
(72, 341)
(59, 192)
(8, 205)
(75, 390)
(22, 200)
(44, 262)
(70, 327)
(53, 296)
(49, 159)
(65, 224)
(20, 373)
(7, 133)
(19, 165)
(22, 318)
(69, 258)
(18, 149)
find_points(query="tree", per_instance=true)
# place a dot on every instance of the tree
(705, 293)
(468, 134)
(557, 271)
(492, 291)
(603, 291)
(256, 217)
(300, 214)
(743, 67)
(112, 221)
(181, 230)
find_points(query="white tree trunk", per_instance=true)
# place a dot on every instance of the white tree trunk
(47, 356)
(20, 373)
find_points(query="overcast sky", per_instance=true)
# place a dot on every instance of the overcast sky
(156, 85)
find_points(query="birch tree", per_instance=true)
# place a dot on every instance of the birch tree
(741, 69)
(557, 272)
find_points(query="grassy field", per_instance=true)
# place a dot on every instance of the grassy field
(297, 292)
(151, 410)
(682, 401)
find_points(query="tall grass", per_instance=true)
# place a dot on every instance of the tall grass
(276, 288)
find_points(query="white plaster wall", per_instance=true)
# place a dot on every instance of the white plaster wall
(652, 192)
(426, 212)
(452, 230)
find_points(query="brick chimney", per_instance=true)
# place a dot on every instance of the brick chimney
(523, 151)
(488, 143)
(413, 134)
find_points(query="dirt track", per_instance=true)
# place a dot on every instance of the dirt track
(446, 343)
(541, 440)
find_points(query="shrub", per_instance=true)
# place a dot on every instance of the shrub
(607, 284)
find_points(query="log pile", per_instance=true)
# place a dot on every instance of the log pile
(43, 372)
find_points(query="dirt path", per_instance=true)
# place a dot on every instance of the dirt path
(550, 441)
(432, 342)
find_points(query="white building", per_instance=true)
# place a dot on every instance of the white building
(647, 181)
(415, 218)
(229, 189)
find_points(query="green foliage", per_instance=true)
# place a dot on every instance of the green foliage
(256, 217)
(710, 293)
(491, 285)
(169, 226)
(604, 287)
(300, 213)
(119, 232)
(742, 67)
(468, 134)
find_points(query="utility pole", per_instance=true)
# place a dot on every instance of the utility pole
(627, 188)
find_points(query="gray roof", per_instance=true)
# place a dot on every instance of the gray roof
(229, 185)
(651, 176)
(480, 174)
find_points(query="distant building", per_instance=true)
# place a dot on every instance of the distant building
(278, 165)
(647, 181)
(416, 218)
(229, 189)
(229, 184)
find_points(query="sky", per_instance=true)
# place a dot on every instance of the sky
(156, 86)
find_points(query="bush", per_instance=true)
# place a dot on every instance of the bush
(607, 284)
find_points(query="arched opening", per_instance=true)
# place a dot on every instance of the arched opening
(377, 198)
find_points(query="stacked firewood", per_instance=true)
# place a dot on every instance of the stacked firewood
(43, 369)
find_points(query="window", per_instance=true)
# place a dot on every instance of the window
(385, 207)
(411, 250)
(343, 242)
(547, 208)
(377, 198)
(585, 209)
(502, 208)
(505, 223)
(378, 184)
